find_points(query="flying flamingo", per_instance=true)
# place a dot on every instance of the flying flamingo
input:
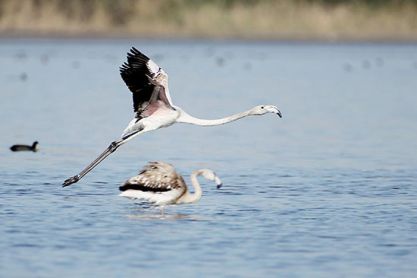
(158, 182)
(153, 106)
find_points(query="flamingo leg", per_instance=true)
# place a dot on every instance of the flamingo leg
(110, 149)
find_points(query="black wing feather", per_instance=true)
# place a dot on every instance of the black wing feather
(134, 72)
(141, 187)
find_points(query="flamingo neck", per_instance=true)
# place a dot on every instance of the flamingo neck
(193, 197)
(186, 118)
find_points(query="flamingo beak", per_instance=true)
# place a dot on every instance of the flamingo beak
(279, 113)
(219, 183)
(275, 110)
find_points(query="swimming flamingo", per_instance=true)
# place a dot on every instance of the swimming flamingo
(158, 182)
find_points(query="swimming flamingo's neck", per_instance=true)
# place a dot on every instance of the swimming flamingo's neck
(192, 197)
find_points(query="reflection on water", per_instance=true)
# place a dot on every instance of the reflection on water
(143, 210)
(162, 215)
(329, 188)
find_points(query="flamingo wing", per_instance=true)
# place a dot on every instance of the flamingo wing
(139, 74)
(156, 177)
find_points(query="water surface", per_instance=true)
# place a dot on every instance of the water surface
(328, 190)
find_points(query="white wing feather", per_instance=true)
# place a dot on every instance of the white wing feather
(152, 66)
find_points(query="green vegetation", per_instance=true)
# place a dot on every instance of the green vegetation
(252, 19)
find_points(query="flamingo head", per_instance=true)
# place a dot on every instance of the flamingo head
(210, 175)
(263, 109)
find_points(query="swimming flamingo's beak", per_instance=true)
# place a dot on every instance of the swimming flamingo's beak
(219, 183)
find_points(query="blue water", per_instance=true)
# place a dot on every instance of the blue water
(329, 190)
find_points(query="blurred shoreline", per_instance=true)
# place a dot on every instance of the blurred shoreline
(265, 20)
(280, 40)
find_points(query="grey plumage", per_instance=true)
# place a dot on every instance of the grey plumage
(156, 177)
